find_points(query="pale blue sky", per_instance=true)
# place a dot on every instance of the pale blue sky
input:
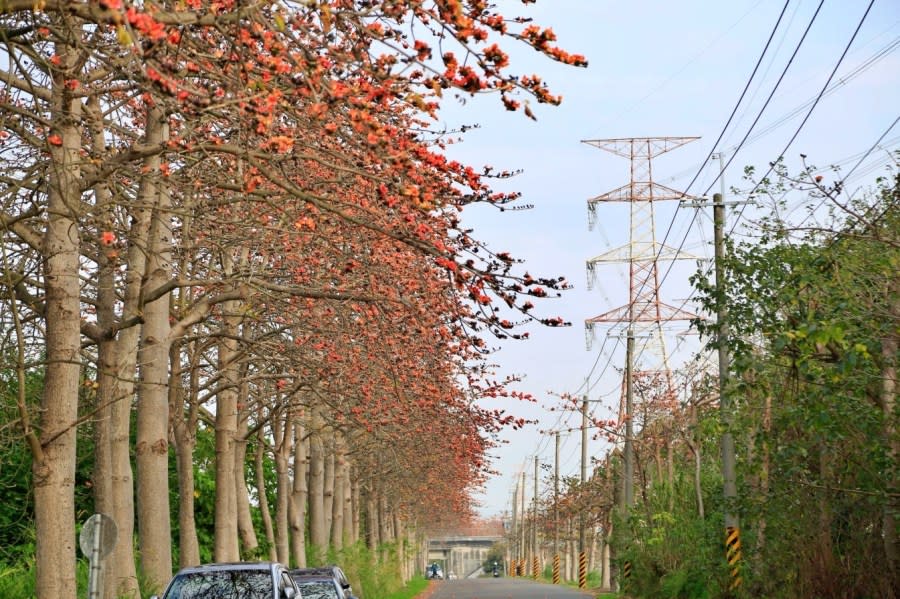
(656, 69)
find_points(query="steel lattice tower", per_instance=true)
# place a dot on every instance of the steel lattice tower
(645, 313)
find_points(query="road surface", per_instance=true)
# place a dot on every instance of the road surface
(502, 588)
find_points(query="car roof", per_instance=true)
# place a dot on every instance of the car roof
(232, 566)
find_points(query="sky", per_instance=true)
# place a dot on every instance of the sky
(657, 69)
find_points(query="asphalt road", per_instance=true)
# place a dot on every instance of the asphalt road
(501, 588)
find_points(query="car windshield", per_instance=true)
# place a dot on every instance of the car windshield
(317, 589)
(222, 584)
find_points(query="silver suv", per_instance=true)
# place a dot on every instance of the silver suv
(245, 580)
(333, 571)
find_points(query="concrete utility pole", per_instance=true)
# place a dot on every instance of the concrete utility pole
(524, 524)
(629, 421)
(556, 497)
(534, 526)
(515, 528)
(582, 540)
(732, 528)
(728, 465)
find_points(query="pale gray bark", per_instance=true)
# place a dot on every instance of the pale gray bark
(246, 532)
(109, 358)
(318, 536)
(282, 434)
(357, 506)
(152, 448)
(53, 466)
(184, 427)
(299, 496)
(348, 535)
(337, 514)
(123, 580)
(328, 481)
(226, 534)
(372, 529)
(261, 490)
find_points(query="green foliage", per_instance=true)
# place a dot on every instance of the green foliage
(412, 589)
(808, 317)
(17, 581)
(496, 554)
(373, 575)
(16, 510)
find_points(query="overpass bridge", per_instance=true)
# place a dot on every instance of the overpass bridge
(462, 555)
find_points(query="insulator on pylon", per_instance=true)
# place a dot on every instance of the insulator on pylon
(591, 275)
(588, 335)
(592, 216)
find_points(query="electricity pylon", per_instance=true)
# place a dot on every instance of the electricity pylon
(645, 313)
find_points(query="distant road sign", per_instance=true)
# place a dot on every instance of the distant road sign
(99, 534)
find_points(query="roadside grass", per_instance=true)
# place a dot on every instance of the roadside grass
(413, 588)
(17, 580)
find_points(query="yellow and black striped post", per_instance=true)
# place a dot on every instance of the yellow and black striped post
(535, 567)
(582, 570)
(733, 554)
(556, 569)
(521, 567)
(626, 574)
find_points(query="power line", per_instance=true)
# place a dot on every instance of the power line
(741, 98)
(871, 61)
(718, 140)
(808, 114)
(796, 133)
(769, 99)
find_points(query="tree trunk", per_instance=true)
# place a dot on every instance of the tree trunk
(357, 507)
(283, 436)
(337, 514)
(764, 474)
(317, 532)
(184, 427)
(695, 444)
(348, 537)
(152, 449)
(53, 466)
(246, 532)
(372, 538)
(299, 496)
(261, 491)
(123, 580)
(226, 517)
(328, 489)
(107, 357)
(384, 520)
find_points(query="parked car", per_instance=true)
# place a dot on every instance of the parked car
(244, 580)
(334, 571)
(319, 587)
